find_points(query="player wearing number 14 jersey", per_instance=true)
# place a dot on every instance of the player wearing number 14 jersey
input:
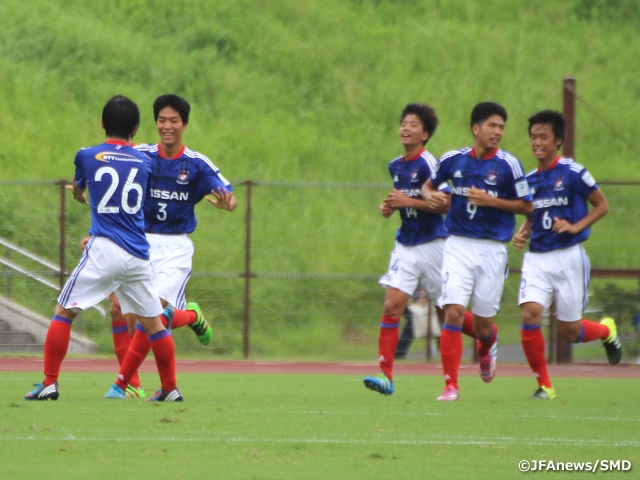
(116, 259)
(556, 268)
(489, 187)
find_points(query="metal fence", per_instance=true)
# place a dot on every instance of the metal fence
(292, 273)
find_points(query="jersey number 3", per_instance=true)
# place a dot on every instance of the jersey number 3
(124, 199)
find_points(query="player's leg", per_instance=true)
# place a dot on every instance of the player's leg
(123, 330)
(492, 271)
(406, 337)
(534, 348)
(451, 349)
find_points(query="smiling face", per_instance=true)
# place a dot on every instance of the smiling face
(488, 133)
(412, 134)
(544, 143)
(170, 127)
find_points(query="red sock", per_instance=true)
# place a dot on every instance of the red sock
(592, 331)
(138, 351)
(183, 318)
(55, 347)
(484, 344)
(121, 341)
(467, 325)
(163, 350)
(451, 353)
(533, 346)
(387, 344)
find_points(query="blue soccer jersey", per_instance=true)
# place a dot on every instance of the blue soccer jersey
(559, 192)
(177, 185)
(500, 174)
(117, 178)
(418, 226)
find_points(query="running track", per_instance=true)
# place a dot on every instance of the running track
(91, 365)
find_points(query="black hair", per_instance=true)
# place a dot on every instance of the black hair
(484, 110)
(120, 117)
(553, 118)
(176, 102)
(425, 113)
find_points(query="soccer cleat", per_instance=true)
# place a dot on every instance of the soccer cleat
(116, 393)
(380, 383)
(488, 363)
(612, 344)
(133, 392)
(450, 394)
(168, 314)
(162, 396)
(42, 392)
(201, 328)
(545, 393)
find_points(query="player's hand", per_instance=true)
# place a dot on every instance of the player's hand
(479, 198)
(385, 210)
(397, 199)
(78, 196)
(437, 199)
(84, 241)
(562, 226)
(519, 241)
(221, 199)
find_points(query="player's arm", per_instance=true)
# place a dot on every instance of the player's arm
(223, 200)
(599, 210)
(523, 234)
(436, 199)
(385, 209)
(398, 199)
(78, 193)
(480, 198)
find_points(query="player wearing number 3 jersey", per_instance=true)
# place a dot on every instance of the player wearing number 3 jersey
(488, 187)
(116, 259)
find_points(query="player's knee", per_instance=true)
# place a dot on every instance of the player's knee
(570, 331)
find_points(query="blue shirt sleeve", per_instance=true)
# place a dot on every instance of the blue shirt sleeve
(79, 175)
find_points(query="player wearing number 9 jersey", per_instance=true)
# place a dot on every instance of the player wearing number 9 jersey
(116, 259)
(489, 187)
(556, 267)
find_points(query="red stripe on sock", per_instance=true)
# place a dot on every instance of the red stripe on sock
(55, 349)
(163, 350)
(451, 353)
(387, 344)
(534, 350)
(594, 331)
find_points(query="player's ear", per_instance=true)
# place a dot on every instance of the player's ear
(102, 123)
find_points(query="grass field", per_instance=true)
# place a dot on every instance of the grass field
(294, 426)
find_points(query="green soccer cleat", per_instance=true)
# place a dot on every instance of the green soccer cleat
(133, 392)
(612, 344)
(201, 328)
(544, 393)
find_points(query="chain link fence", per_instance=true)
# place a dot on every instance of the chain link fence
(292, 273)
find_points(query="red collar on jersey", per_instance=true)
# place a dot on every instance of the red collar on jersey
(555, 162)
(486, 157)
(405, 159)
(177, 155)
(117, 142)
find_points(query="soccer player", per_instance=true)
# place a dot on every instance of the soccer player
(116, 259)
(181, 178)
(489, 188)
(417, 257)
(556, 267)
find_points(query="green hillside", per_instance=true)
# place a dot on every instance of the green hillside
(307, 91)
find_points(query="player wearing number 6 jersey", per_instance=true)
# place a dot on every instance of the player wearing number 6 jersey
(556, 268)
(181, 178)
(488, 187)
(116, 259)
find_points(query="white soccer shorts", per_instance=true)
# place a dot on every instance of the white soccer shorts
(171, 260)
(413, 265)
(562, 275)
(474, 270)
(104, 268)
